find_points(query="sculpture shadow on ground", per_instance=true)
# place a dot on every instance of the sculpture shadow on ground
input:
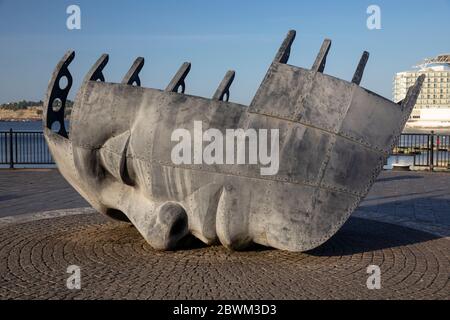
(430, 209)
(360, 235)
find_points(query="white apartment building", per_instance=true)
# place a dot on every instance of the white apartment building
(432, 109)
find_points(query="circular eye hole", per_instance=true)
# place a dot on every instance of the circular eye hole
(56, 126)
(56, 104)
(63, 82)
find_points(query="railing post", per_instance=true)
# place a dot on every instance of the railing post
(16, 155)
(432, 151)
(11, 149)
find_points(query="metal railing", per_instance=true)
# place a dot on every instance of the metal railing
(24, 148)
(429, 150)
(30, 148)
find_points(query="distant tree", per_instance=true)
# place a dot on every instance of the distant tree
(24, 104)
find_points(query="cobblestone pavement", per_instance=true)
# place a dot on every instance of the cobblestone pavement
(33, 190)
(116, 263)
(419, 200)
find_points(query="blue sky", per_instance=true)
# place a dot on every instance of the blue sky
(215, 36)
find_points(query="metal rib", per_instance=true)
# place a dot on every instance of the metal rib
(54, 92)
(357, 77)
(132, 75)
(284, 52)
(224, 87)
(96, 72)
(321, 59)
(412, 94)
(178, 79)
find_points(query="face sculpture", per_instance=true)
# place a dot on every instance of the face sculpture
(334, 138)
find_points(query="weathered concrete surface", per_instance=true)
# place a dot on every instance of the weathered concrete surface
(334, 139)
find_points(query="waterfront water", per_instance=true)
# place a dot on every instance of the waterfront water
(23, 125)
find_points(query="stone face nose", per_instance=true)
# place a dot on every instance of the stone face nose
(113, 155)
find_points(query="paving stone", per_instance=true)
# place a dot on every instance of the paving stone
(403, 226)
(117, 263)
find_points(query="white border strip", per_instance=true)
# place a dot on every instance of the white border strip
(23, 218)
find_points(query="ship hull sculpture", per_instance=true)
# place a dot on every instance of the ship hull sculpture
(334, 137)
